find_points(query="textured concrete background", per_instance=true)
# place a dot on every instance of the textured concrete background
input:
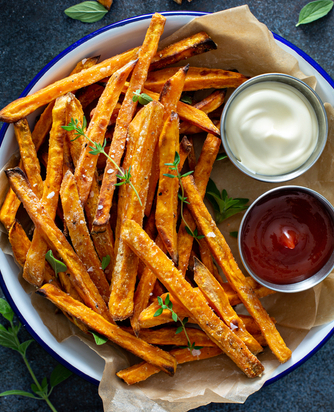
(31, 34)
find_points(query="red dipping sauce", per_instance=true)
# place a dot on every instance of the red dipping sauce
(287, 236)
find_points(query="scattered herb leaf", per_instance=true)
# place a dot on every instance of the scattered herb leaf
(223, 205)
(314, 11)
(221, 156)
(56, 264)
(105, 262)
(87, 12)
(142, 98)
(186, 99)
(234, 234)
(99, 339)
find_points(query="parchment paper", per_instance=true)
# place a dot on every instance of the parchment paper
(248, 46)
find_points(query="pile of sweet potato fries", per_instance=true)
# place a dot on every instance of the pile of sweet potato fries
(117, 226)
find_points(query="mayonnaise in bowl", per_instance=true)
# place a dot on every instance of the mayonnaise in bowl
(272, 128)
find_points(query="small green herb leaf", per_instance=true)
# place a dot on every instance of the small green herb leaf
(234, 234)
(158, 312)
(179, 330)
(142, 98)
(99, 339)
(169, 175)
(105, 262)
(5, 310)
(224, 206)
(174, 316)
(7, 339)
(186, 99)
(59, 374)
(56, 264)
(314, 11)
(18, 392)
(87, 12)
(221, 156)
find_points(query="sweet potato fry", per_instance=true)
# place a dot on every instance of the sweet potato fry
(237, 280)
(9, 207)
(217, 298)
(56, 240)
(198, 78)
(207, 105)
(173, 280)
(169, 97)
(20, 244)
(139, 75)
(168, 336)
(81, 241)
(104, 241)
(25, 105)
(142, 371)
(125, 271)
(166, 210)
(202, 173)
(106, 3)
(35, 262)
(85, 64)
(163, 360)
(29, 156)
(191, 46)
(85, 169)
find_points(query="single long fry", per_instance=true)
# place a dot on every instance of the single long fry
(198, 78)
(166, 210)
(163, 360)
(103, 241)
(81, 241)
(35, 262)
(20, 245)
(125, 271)
(25, 105)
(225, 259)
(29, 156)
(207, 105)
(195, 303)
(218, 300)
(85, 64)
(139, 75)
(54, 237)
(202, 173)
(142, 371)
(191, 46)
(85, 169)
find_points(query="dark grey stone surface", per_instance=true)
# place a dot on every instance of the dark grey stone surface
(31, 34)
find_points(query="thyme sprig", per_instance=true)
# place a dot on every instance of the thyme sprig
(97, 148)
(174, 167)
(168, 305)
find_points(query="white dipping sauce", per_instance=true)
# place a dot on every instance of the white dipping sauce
(271, 128)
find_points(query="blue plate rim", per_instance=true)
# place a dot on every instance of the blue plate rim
(5, 126)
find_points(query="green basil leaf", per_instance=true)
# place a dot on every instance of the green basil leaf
(7, 340)
(34, 388)
(5, 310)
(56, 264)
(59, 374)
(314, 11)
(87, 12)
(18, 392)
(105, 262)
(99, 339)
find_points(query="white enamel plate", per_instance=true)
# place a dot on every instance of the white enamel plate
(106, 42)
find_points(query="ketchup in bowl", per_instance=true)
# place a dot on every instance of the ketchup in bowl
(287, 236)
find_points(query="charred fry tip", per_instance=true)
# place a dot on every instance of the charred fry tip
(186, 68)
(42, 292)
(15, 170)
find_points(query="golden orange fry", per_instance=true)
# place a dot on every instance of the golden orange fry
(237, 280)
